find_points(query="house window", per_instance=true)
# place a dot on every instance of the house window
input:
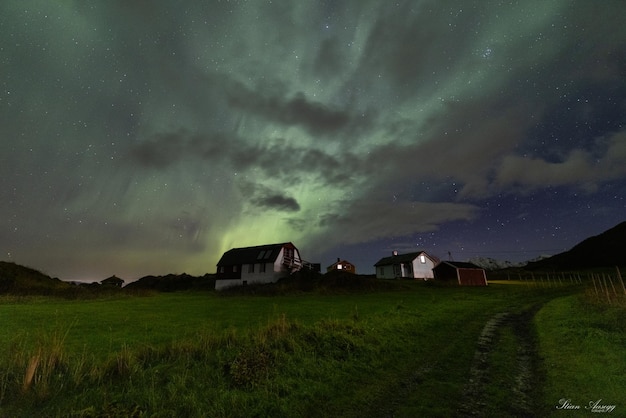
(423, 259)
(250, 268)
(262, 268)
(221, 269)
(261, 255)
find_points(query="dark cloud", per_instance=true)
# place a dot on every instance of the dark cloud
(312, 116)
(274, 160)
(160, 151)
(266, 198)
(351, 222)
(276, 202)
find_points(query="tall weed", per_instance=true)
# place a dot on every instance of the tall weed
(45, 364)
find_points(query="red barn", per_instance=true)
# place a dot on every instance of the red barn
(465, 274)
(342, 265)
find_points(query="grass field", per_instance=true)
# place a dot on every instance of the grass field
(403, 353)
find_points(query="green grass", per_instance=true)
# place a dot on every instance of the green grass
(583, 347)
(404, 353)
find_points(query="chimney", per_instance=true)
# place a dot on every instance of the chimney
(338, 259)
(394, 253)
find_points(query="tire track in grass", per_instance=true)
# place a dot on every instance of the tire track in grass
(473, 401)
(516, 396)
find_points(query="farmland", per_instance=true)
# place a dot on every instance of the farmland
(409, 350)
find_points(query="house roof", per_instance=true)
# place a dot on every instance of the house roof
(250, 255)
(461, 265)
(401, 258)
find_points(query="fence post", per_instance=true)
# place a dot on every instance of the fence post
(619, 276)
(606, 288)
(612, 285)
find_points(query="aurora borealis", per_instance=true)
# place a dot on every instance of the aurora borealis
(148, 137)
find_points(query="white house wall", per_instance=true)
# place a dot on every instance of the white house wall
(272, 273)
(423, 270)
(386, 273)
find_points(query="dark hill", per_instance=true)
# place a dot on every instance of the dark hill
(173, 283)
(20, 280)
(605, 250)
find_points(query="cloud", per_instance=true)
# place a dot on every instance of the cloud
(531, 173)
(613, 160)
(579, 168)
(315, 117)
(160, 151)
(269, 158)
(266, 198)
(365, 221)
(276, 201)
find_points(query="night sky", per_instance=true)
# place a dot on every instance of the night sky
(148, 137)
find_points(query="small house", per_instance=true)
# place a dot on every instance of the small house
(465, 274)
(259, 264)
(342, 265)
(416, 265)
(113, 281)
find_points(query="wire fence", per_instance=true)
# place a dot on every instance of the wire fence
(602, 286)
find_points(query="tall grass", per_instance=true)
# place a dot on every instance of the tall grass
(240, 356)
(34, 370)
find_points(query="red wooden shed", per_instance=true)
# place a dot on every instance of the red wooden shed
(465, 274)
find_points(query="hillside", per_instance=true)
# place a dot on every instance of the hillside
(489, 263)
(17, 279)
(173, 283)
(605, 250)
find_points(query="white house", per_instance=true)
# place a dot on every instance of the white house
(260, 264)
(418, 265)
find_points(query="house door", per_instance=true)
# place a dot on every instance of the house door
(397, 270)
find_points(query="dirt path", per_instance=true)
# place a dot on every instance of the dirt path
(505, 376)
(522, 368)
